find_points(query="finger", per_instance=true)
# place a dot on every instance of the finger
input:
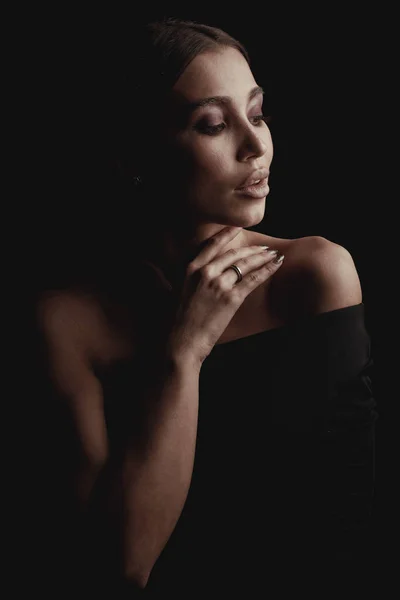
(235, 256)
(246, 265)
(213, 246)
(255, 277)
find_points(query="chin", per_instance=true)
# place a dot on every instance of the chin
(250, 218)
(233, 214)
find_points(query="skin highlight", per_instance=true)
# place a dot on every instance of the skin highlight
(212, 150)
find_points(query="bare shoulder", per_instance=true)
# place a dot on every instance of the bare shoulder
(79, 318)
(325, 274)
(71, 325)
(62, 324)
(69, 313)
(317, 276)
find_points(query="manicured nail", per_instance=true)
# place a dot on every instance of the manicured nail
(279, 258)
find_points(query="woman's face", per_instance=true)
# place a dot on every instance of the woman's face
(216, 146)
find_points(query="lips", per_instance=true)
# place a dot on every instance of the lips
(255, 177)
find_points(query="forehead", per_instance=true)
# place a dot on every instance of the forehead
(221, 72)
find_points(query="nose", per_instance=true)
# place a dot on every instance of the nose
(252, 144)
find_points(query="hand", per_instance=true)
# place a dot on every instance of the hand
(211, 294)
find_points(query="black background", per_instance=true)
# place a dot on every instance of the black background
(327, 73)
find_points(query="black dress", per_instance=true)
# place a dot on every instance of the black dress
(283, 480)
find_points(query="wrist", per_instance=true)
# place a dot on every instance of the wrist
(179, 357)
(182, 360)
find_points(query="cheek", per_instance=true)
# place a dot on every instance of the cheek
(207, 174)
(210, 162)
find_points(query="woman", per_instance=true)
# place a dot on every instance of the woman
(218, 406)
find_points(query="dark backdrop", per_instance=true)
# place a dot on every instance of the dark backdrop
(324, 75)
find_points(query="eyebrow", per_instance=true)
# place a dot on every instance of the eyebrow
(221, 100)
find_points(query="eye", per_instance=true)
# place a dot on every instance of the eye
(259, 118)
(214, 129)
(210, 129)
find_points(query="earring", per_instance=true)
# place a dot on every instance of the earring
(137, 180)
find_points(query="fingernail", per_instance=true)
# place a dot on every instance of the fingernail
(268, 249)
(279, 258)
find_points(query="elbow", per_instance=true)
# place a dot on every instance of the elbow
(136, 569)
(137, 577)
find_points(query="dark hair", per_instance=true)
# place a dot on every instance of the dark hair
(143, 70)
(114, 217)
(155, 58)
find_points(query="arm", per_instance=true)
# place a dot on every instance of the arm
(148, 485)
(60, 319)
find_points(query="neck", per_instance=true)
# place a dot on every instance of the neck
(177, 247)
